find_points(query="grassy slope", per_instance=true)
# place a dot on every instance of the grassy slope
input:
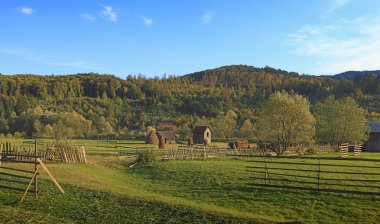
(184, 191)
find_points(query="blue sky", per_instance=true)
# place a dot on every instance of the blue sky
(176, 37)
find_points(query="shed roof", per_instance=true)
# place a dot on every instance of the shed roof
(201, 129)
(166, 134)
(374, 127)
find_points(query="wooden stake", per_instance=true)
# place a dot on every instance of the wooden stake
(29, 185)
(35, 170)
(84, 155)
(50, 175)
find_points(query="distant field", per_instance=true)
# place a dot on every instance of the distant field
(199, 191)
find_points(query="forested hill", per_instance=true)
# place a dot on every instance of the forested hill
(356, 74)
(84, 105)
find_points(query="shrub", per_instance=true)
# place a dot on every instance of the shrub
(311, 151)
(148, 156)
(18, 134)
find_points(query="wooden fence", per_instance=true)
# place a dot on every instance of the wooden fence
(184, 152)
(27, 153)
(340, 175)
(343, 148)
(16, 179)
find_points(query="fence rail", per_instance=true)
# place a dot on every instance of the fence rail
(184, 152)
(317, 176)
(16, 179)
(28, 153)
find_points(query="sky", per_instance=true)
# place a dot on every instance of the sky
(177, 37)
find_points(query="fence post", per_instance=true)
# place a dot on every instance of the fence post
(265, 171)
(319, 174)
(1, 152)
(35, 170)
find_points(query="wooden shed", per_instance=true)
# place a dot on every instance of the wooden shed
(201, 134)
(168, 136)
(373, 142)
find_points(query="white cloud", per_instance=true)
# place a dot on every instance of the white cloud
(32, 56)
(77, 64)
(26, 10)
(340, 46)
(24, 54)
(88, 17)
(207, 17)
(334, 5)
(109, 14)
(147, 21)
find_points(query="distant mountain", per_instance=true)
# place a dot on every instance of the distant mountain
(233, 72)
(353, 74)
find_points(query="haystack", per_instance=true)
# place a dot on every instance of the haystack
(152, 138)
(190, 141)
(162, 144)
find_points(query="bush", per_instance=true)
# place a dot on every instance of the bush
(311, 151)
(18, 134)
(64, 145)
(148, 156)
(9, 136)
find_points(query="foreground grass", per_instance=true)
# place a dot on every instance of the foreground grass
(198, 191)
(207, 189)
(88, 206)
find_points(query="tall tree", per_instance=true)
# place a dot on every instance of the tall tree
(284, 120)
(340, 121)
(246, 130)
(227, 124)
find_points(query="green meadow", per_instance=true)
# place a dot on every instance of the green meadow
(215, 190)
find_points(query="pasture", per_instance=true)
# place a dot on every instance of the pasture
(214, 190)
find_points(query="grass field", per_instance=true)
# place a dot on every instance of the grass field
(199, 191)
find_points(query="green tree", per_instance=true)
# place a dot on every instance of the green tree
(104, 127)
(246, 130)
(285, 120)
(340, 121)
(48, 131)
(227, 125)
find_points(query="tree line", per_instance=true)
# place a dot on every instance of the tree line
(105, 105)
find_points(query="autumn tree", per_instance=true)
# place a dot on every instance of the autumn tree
(340, 121)
(246, 130)
(284, 120)
(227, 124)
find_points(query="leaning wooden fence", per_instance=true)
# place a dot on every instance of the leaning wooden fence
(27, 153)
(343, 148)
(317, 174)
(358, 150)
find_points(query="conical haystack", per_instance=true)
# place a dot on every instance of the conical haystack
(190, 141)
(152, 138)
(162, 144)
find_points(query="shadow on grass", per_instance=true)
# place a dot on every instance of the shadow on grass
(88, 206)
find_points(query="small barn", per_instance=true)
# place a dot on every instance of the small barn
(373, 142)
(168, 136)
(202, 134)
